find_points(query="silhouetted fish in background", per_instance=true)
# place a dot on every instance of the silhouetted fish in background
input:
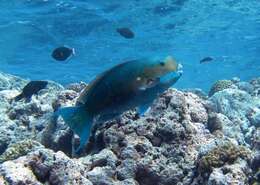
(126, 32)
(62, 53)
(126, 86)
(33, 87)
(206, 59)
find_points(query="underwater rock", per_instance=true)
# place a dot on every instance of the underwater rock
(105, 157)
(77, 87)
(230, 174)
(18, 149)
(16, 173)
(255, 166)
(21, 120)
(101, 175)
(256, 85)
(245, 86)
(198, 92)
(44, 166)
(215, 122)
(57, 136)
(185, 115)
(236, 105)
(254, 116)
(126, 170)
(11, 82)
(255, 139)
(224, 163)
(184, 138)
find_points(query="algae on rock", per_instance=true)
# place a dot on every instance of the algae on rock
(19, 149)
(222, 154)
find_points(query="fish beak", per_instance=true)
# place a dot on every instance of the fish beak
(179, 69)
(171, 64)
(176, 69)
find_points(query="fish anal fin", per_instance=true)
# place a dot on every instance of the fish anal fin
(84, 137)
(79, 121)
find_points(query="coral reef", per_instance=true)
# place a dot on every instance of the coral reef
(219, 86)
(222, 154)
(18, 149)
(184, 138)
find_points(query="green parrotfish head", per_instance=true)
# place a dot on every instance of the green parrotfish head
(159, 68)
(155, 69)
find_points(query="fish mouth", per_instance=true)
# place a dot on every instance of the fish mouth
(175, 69)
(172, 74)
(179, 69)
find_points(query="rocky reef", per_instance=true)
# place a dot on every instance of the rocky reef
(184, 138)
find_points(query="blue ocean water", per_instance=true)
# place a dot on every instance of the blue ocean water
(189, 30)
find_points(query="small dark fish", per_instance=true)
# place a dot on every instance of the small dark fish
(62, 53)
(206, 59)
(33, 87)
(126, 32)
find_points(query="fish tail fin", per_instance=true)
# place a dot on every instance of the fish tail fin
(78, 119)
(19, 97)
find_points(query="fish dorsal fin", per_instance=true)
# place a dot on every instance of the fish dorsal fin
(171, 62)
(83, 95)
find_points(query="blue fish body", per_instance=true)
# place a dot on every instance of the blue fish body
(123, 87)
(141, 99)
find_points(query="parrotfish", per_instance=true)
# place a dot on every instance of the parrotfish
(33, 87)
(132, 84)
(62, 53)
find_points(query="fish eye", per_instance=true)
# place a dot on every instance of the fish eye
(162, 63)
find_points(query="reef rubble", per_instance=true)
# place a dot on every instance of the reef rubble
(185, 138)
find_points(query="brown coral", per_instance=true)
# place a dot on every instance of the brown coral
(219, 86)
(222, 154)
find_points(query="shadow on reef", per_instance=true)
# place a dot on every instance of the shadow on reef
(185, 137)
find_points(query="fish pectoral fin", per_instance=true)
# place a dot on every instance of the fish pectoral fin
(149, 83)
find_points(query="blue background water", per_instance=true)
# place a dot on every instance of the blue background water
(228, 30)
